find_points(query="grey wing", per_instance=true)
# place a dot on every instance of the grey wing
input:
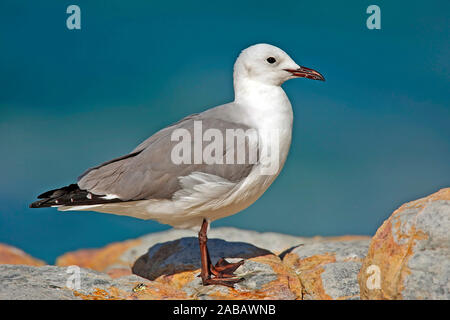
(149, 171)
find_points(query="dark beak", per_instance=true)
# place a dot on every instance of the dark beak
(304, 72)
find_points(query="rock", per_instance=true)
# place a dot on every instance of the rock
(409, 256)
(173, 261)
(265, 277)
(328, 269)
(20, 282)
(172, 269)
(12, 255)
(184, 255)
(117, 258)
(177, 263)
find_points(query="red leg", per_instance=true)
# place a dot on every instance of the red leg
(223, 270)
(204, 254)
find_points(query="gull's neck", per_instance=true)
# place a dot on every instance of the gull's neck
(268, 105)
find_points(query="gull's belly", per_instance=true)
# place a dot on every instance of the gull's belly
(251, 188)
(243, 196)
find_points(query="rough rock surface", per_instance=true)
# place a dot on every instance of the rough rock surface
(264, 275)
(168, 259)
(328, 270)
(13, 255)
(409, 256)
(20, 282)
(117, 258)
(265, 278)
(184, 255)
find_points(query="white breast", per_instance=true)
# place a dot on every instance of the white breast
(269, 109)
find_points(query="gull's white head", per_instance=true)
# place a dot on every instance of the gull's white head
(269, 65)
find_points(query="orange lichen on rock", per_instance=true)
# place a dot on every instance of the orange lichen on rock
(13, 255)
(178, 280)
(286, 285)
(158, 291)
(98, 259)
(141, 291)
(391, 258)
(309, 272)
(287, 278)
(100, 294)
(118, 272)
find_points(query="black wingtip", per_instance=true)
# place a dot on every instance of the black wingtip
(70, 195)
(39, 204)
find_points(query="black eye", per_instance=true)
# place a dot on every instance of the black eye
(271, 60)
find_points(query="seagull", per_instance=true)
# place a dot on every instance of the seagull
(151, 182)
